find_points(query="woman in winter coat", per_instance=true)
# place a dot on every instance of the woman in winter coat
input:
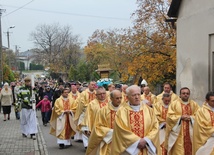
(6, 98)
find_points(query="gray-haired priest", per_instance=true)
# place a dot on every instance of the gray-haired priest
(136, 127)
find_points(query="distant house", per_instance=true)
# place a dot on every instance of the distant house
(26, 57)
(195, 45)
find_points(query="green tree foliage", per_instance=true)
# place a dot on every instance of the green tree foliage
(8, 75)
(72, 73)
(36, 67)
(83, 72)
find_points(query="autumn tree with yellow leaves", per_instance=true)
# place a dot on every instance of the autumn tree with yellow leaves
(108, 48)
(147, 49)
(160, 39)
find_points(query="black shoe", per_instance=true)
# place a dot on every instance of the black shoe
(86, 148)
(24, 135)
(61, 146)
(33, 136)
(8, 118)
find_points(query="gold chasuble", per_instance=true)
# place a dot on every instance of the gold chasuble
(101, 136)
(85, 98)
(62, 124)
(178, 138)
(203, 131)
(161, 112)
(130, 126)
(174, 97)
(108, 95)
(75, 100)
(74, 96)
(150, 97)
(124, 100)
(91, 111)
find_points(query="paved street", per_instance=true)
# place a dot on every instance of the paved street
(52, 146)
(12, 142)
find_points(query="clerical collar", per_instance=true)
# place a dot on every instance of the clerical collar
(165, 106)
(115, 108)
(65, 99)
(210, 107)
(135, 107)
(74, 94)
(185, 102)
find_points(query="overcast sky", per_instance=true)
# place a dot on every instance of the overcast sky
(84, 16)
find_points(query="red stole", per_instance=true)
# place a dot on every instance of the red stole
(91, 96)
(164, 112)
(74, 96)
(163, 115)
(137, 124)
(211, 117)
(113, 114)
(68, 129)
(103, 104)
(186, 110)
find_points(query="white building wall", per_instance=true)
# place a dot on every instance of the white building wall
(194, 25)
(26, 61)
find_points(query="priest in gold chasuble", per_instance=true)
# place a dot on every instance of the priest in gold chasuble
(101, 135)
(203, 131)
(75, 96)
(136, 128)
(167, 88)
(161, 110)
(85, 98)
(90, 114)
(179, 124)
(82, 102)
(147, 97)
(62, 124)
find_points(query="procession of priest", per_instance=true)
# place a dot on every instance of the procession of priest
(122, 119)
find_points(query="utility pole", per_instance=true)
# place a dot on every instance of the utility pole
(1, 62)
(8, 42)
(8, 36)
(8, 39)
(16, 57)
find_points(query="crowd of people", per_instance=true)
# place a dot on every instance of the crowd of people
(121, 119)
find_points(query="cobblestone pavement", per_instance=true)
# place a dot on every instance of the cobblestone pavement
(12, 142)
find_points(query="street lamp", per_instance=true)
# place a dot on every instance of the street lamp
(8, 41)
(8, 34)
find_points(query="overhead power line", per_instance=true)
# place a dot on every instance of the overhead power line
(18, 8)
(65, 13)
